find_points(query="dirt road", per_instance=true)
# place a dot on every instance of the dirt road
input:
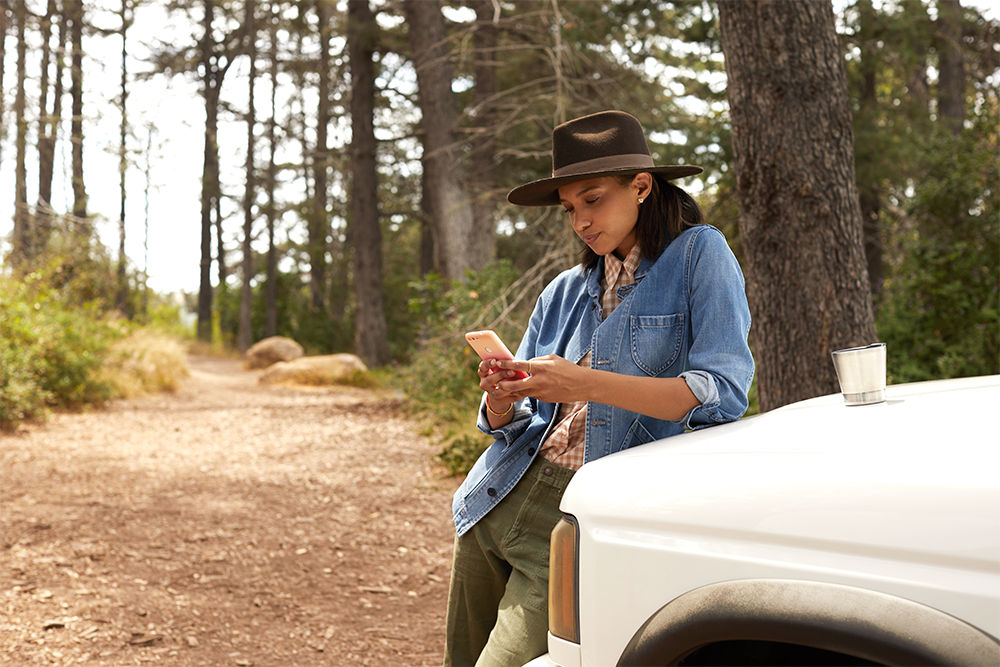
(226, 524)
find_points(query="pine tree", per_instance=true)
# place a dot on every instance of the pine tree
(800, 219)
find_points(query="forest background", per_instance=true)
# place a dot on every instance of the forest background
(354, 161)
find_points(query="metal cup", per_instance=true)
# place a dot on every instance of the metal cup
(861, 372)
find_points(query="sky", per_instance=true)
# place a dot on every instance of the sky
(168, 114)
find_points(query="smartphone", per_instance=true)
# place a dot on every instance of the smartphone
(488, 345)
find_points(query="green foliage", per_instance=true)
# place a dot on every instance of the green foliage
(163, 314)
(74, 267)
(319, 332)
(21, 397)
(441, 380)
(940, 311)
(51, 352)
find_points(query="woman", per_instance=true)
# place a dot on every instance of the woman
(646, 339)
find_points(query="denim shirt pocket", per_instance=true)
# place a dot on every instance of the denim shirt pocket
(637, 435)
(656, 341)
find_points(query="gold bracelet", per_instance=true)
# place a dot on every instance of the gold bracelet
(494, 412)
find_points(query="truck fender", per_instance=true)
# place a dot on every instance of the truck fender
(853, 621)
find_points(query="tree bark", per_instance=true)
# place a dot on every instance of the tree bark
(442, 155)
(800, 220)
(951, 67)
(48, 124)
(244, 333)
(870, 191)
(47, 141)
(46, 137)
(429, 257)
(23, 250)
(222, 268)
(318, 220)
(4, 23)
(917, 41)
(271, 287)
(482, 157)
(209, 168)
(122, 295)
(370, 331)
(145, 220)
(76, 125)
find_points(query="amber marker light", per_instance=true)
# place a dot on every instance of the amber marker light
(564, 617)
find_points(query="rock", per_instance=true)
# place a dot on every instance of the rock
(272, 350)
(317, 370)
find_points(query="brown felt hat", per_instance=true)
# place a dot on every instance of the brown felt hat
(607, 143)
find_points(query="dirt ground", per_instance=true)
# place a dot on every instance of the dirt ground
(227, 524)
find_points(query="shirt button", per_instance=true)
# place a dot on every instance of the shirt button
(491, 492)
(547, 472)
(531, 452)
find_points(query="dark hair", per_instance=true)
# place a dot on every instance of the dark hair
(666, 212)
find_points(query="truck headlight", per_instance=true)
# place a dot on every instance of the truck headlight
(564, 613)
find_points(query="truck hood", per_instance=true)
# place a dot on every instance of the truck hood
(914, 478)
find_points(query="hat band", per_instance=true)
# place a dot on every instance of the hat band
(627, 161)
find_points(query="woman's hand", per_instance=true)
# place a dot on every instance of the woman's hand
(553, 379)
(499, 398)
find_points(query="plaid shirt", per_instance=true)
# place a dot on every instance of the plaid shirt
(565, 444)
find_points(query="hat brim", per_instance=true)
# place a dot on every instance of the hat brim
(545, 191)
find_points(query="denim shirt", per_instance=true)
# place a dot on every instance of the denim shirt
(685, 316)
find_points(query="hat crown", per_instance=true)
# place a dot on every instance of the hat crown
(607, 134)
(608, 143)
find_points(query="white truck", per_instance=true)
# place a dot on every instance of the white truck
(817, 533)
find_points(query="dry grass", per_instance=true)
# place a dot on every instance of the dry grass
(145, 362)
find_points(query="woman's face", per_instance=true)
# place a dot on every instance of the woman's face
(603, 211)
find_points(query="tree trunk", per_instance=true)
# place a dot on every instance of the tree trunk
(145, 236)
(951, 68)
(870, 191)
(917, 41)
(46, 135)
(50, 133)
(122, 296)
(244, 331)
(23, 250)
(4, 22)
(271, 291)
(800, 220)
(209, 167)
(442, 154)
(482, 157)
(76, 126)
(318, 222)
(429, 256)
(220, 246)
(370, 331)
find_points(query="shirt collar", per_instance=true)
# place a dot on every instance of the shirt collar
(613, 267)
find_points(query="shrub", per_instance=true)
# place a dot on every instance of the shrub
(50, 352)
(21, 397)
(145, 361)
(441, 380)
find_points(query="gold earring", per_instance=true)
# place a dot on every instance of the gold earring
(641, 200)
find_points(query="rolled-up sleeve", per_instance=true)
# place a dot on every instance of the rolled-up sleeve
(720, 364)
(511, 431)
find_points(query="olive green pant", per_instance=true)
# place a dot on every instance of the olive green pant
(498, 602)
